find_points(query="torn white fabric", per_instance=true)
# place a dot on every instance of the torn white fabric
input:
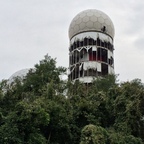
(92, 65)
(94, 48)
(110, 70)
(86, 79)
(80, 67)
(93, 35)
(110, 54)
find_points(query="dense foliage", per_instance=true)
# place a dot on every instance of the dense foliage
(44, 109)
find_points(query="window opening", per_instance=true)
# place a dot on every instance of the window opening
(85, 41)
(104, 69)
(78, 43)
(90, 41)
(104, 55)
(98, 42)
(81, 43)
(74, 46)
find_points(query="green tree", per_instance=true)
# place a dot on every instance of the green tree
(128, 108)
(25, 123)
(92, 134)
(43, 73)
(43, 108)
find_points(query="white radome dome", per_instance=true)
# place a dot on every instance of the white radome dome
(91, 20)
(19, 74)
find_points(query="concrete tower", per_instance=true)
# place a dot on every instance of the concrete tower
(91, 34)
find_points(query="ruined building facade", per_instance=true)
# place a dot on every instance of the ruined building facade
(91, 35)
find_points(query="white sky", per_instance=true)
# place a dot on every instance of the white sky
(29, 29)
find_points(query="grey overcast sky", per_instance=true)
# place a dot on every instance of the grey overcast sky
(29, 29)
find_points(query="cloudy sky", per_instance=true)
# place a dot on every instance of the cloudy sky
(29, 29)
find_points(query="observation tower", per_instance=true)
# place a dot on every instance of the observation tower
(91, 35)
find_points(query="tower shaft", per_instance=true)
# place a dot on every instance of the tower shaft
(90, 55)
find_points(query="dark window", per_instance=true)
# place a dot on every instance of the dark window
(78, 43)
(92, 72)
(85, 41)
(81, 43)
(90, 41)
(74, 45)
(92, 56)
(104, 69)
(105, 43)
(104, 55)
(98, 42)
(102, 44)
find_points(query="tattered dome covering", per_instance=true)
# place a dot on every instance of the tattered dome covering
(91, 20)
